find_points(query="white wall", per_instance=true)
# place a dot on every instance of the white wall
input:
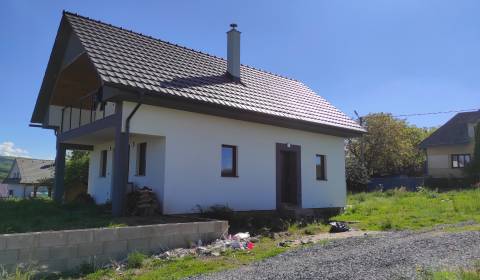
(18, 190)
(100, 187)
(155, 163)
(193, 155)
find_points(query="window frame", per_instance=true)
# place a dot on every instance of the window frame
(103, 163)
(455, 158)
(234, 172)
(141, 169)
(323, 162)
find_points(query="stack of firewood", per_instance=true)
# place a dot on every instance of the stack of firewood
(142, 202)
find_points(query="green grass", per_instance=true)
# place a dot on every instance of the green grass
(18, 215)
(397, 210)
(472, 273)
(190, 266)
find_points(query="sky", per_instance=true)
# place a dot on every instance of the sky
(397, 56)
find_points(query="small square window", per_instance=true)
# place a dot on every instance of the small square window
(103, 163)
(320, 167)
(141, 159)
(460, 160)
(229, 161)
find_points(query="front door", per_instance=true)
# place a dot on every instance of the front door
(288, 175)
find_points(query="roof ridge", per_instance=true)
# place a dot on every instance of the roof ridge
(27, 158)
(174, 44)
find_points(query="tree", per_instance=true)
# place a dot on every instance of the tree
(473, 168)
(390, 146)
(76, 174)
(357, 175)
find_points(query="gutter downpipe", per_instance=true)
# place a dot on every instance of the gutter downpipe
(130, 116)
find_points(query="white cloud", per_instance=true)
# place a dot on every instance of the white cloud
(9, 149)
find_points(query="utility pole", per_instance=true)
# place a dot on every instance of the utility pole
(360, 121)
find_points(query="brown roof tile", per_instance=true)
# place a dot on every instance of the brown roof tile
(127, 58)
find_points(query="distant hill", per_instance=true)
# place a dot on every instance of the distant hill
(5, 165)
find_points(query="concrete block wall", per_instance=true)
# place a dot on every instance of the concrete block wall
(65, 250)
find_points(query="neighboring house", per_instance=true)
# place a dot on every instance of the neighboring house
(197, 129)
(27, 177)
(451, 146)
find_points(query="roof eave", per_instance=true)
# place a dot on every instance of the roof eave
(120, 92)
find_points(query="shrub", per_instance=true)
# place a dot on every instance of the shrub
(135, 260)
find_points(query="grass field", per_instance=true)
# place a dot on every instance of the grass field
(397, 210)
(471, 273)
(391, 210)
(18, 215)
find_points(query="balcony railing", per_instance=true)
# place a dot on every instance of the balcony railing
(85, 110)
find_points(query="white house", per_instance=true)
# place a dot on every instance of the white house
(197, 129)
(28, 176)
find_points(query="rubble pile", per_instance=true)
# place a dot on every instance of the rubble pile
(239, 241)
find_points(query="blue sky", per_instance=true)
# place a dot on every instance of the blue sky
(371, 56)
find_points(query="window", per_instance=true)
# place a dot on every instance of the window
(460, 161)
(103, 163)
(320, 167)
(229, 161)
(141, 159)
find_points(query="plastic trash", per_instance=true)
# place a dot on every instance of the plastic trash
(241, 235)
(250, 245)
(339, 227)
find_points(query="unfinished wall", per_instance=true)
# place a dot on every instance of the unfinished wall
(68, 249)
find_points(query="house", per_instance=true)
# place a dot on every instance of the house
(196, 128)
(451, 146)
(27, 177)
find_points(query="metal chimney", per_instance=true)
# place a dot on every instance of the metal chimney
(233, 51)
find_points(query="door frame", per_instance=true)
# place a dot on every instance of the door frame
(281, 147)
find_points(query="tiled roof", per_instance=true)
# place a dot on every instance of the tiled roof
(131, 59)
(32, 171)
(453, 132)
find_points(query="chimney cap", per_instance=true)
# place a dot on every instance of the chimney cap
(233, 25)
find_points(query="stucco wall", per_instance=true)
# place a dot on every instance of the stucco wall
(100, 187)
(439, 160)
(193, 155)
(20, 190)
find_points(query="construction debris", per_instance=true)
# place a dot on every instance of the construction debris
(142, 202)
(239, 241)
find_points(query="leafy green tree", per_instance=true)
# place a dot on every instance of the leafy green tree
(390, 146)
(76, 173)
(357, 175)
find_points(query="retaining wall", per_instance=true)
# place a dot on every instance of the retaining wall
(65, 250)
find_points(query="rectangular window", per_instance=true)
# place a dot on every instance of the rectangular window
(229, 161)
(320, 167)
(103, 163)
(460, 161)
(141, 159)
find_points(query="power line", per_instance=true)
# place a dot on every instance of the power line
(435, 113)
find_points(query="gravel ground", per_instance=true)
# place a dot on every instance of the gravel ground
(395, 255)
